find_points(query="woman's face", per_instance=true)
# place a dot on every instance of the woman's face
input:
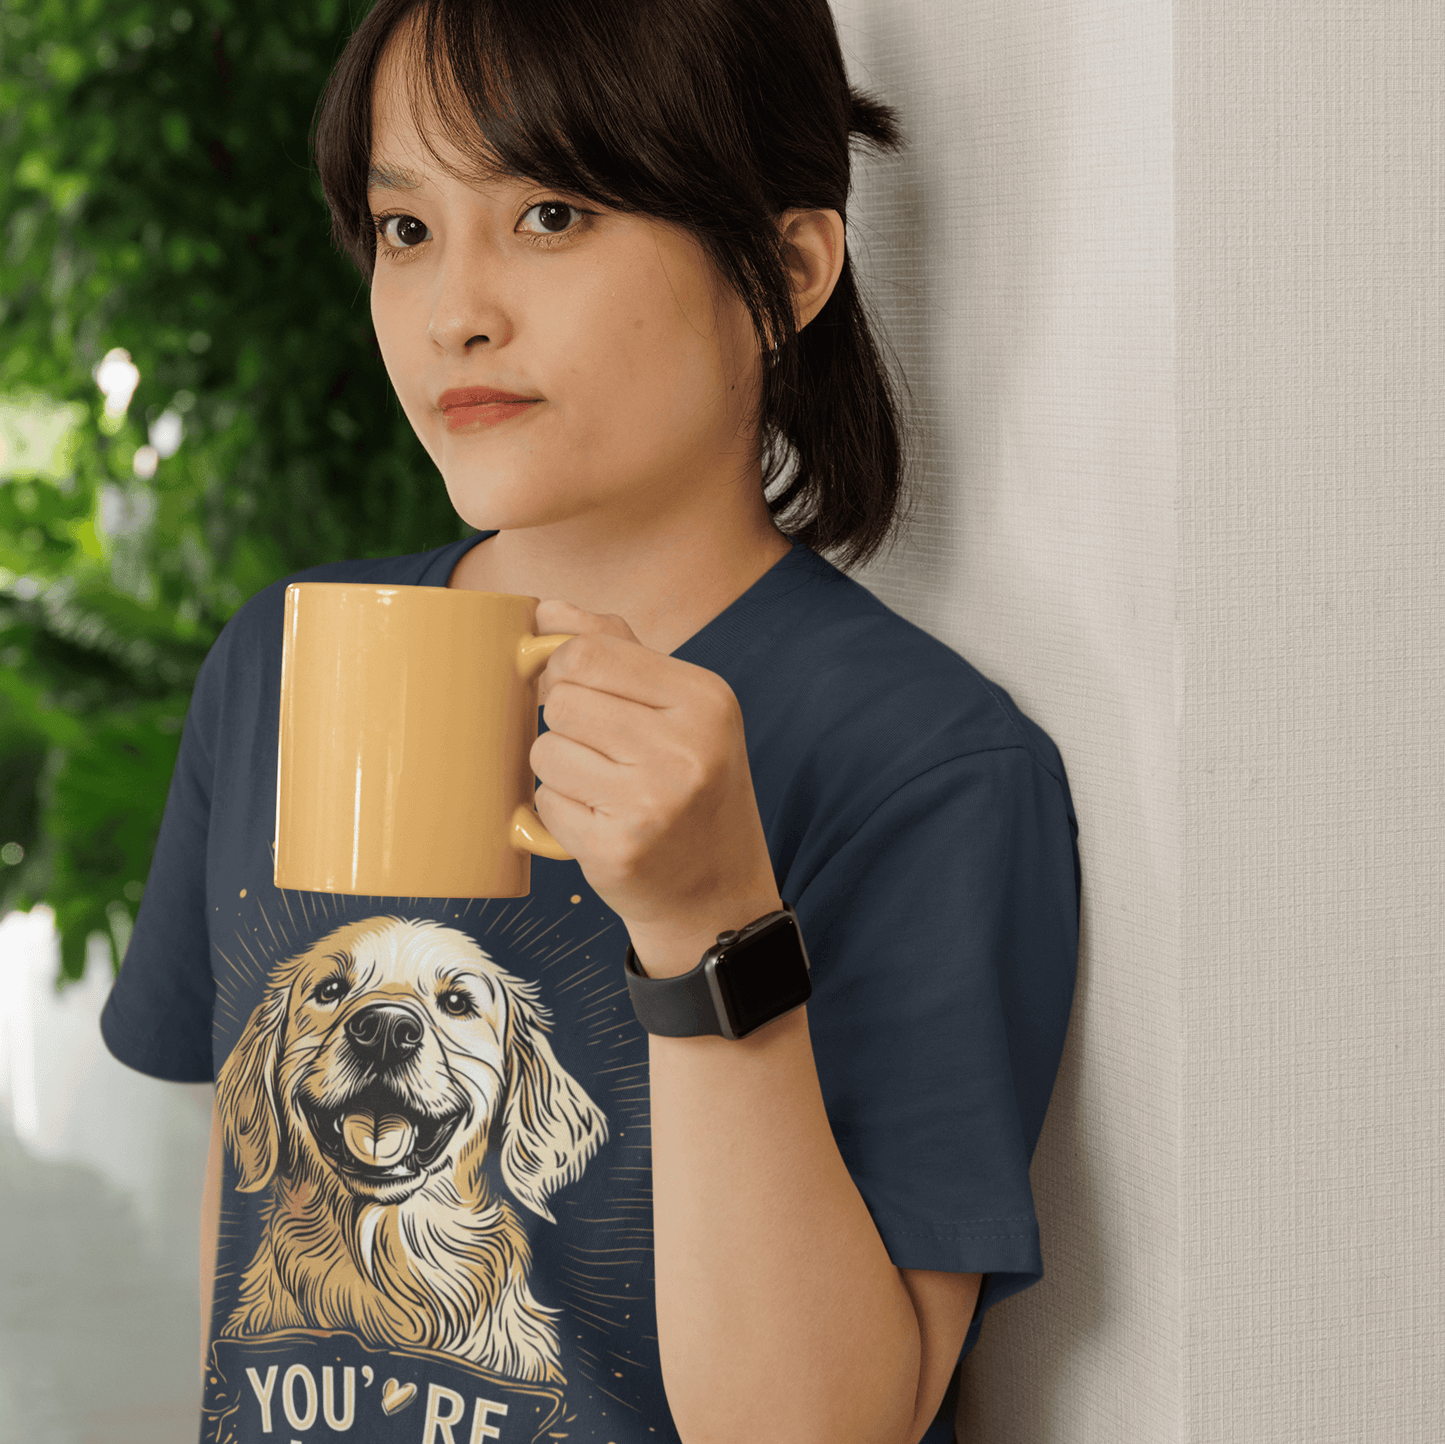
(639, 369)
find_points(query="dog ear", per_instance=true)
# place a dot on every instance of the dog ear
(550, 1127)
(246, 1094)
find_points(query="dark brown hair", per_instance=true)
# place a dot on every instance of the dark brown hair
(714, 115)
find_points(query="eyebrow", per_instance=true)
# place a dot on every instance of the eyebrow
(390, 178)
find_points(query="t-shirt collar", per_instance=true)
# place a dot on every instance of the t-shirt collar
(716, 643)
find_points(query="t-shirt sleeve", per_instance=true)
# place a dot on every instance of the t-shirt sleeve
(943, 936)
(158, 1016)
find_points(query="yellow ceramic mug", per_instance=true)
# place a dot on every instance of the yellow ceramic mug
(407, 717)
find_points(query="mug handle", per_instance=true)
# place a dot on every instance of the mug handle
(529, 834)
(532, 652)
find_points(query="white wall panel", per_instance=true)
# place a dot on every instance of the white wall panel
(1165, 278)
(1311, 617)
(1021, 256)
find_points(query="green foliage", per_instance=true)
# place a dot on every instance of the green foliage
(156, 194)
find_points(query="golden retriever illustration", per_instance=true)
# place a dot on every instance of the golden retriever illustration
(393, 1085)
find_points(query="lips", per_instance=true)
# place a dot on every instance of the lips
(469, 404)
(478, 396)
(377, 1137)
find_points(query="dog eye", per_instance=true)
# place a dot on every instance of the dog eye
(330, 990)
(456, 1002)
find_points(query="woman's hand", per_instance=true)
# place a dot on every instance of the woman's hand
(645, 782)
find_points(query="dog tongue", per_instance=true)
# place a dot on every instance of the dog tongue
(377, 1139)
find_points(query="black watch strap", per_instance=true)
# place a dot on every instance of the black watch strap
(748, 978)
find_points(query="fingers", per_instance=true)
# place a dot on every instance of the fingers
(565, 817)
(643, 770)
(558, 616)
(592, 668)
(611, 663)
(603, 722)
(613, 754)
(637, 742)
(572, 770)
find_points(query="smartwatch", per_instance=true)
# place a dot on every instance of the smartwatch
(749, 977)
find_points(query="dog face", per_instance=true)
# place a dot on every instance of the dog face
(384, 1062)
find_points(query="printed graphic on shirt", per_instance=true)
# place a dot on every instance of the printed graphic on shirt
(318, 1386)
(395, 1100)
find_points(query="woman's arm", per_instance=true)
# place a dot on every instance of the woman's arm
(945, 1304)
(210, 1230)
(780, 1315)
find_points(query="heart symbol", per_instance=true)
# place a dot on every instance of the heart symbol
(395, 1397)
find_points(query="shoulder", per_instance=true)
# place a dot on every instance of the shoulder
(882, 757)
(865, 692)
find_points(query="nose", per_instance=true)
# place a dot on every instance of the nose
(452, 334)
(384, 1034)
(467, 311)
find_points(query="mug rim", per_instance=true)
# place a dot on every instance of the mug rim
(392, 587)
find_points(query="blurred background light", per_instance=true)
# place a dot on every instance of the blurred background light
(166, 432)
(117, 376)
(126, 511)
(38, 436)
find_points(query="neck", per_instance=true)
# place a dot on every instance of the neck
(665, 572)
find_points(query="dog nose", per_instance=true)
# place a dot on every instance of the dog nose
(384, 1033)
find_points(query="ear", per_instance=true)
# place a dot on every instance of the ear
(814, 246)
(246, 1094)
(550, 1127)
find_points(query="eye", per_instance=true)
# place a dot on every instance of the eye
(331, 990)
(552, 217)
(457, 1003)
(401, 233)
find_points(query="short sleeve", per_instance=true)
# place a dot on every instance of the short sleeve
(943, 936)
(158, 1017)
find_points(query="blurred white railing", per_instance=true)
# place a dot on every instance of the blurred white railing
(67, 1097)
(100, 1181)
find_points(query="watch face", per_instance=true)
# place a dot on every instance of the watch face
(765, 977)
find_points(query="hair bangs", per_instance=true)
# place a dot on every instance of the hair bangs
(468, 91)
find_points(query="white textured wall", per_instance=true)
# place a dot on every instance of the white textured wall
(1311, 617)
(1165, 278)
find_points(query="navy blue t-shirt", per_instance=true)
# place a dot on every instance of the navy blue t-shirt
(919, 823)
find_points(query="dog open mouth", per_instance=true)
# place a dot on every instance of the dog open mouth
(376, 1136)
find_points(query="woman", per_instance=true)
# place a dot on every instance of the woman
(610, 282)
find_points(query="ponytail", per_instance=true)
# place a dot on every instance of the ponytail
(875, 122)
(830, 410)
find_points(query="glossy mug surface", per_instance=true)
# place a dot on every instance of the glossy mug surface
(407, 717)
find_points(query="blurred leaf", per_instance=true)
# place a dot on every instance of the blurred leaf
(156, 196)
(103, 818)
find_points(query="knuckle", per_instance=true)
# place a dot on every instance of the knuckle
(720, 699)
(698, 774)
(580, 653)
(651, 818)
(629, 848)
(556, 707)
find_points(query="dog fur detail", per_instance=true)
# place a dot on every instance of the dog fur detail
(394, 1090)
